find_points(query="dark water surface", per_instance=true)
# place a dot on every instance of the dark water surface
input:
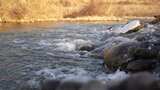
(31, 53)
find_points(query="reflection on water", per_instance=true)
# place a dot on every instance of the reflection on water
(35, 52)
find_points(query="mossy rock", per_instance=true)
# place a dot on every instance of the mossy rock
(119, 55)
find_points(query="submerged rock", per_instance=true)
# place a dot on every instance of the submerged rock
(94, 85)
(87, 48)
(83, 45)
(78, 44)
(140, 81)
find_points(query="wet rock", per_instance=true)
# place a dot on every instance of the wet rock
(50, 84)
(83, 45)
(60, 85)
(140, 81)
(135, 56)
(147, 35)
(157, 70)
(94, 85)
(70, 85)
(141, 65)
(156, 20)
(130, 27)
(78, 44)
(108, 35)
(87, 48)
(144, 53)
(29, 85)
(118, 56)
(109, 43)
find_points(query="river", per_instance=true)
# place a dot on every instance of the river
(31, 53)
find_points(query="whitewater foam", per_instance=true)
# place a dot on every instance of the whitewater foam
(79, 74)
(72, 45)
(44, 43)
(66, 46)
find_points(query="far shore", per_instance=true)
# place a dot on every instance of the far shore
(92, 19)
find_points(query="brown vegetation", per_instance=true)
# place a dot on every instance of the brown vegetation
(94, 8)
(46, 10)
(18, 11)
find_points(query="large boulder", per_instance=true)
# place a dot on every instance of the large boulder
(118, 56)
(135, 56)
(132, 56)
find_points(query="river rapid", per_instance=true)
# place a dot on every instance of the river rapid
(32, 53)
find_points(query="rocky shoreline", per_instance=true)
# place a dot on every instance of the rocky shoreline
(135, 49)
(27, 11)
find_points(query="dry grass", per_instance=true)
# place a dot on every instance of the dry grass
(50, 10)
(94, 8)
(18, 11)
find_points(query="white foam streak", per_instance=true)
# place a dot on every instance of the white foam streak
(79, 74)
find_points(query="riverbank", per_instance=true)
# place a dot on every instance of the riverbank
(79, 10)
(89, 19)
(30, 54)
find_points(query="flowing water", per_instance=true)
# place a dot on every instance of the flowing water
(31, 53)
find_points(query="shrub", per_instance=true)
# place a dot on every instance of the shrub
(18, 11)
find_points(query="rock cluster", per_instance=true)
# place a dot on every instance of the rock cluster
(136, 48)
(140, 81)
